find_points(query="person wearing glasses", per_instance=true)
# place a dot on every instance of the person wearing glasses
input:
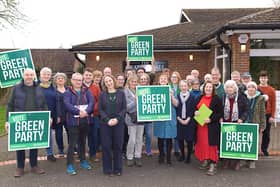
(79, 104)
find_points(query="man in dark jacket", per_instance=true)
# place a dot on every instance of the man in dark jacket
(26, 96)
(79, 104)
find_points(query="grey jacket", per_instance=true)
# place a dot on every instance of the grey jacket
(131, 105)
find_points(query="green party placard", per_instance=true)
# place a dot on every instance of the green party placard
(239, 141)
(28, 130)
(140, 47)
(153, 103)
(12, 66)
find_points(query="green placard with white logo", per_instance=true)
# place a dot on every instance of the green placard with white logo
(239, 141)
(153, 103)
(12, 66)
(28, 130)
(140, 47)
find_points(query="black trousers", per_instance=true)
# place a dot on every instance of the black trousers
(126, 138)
(182, 148)
(77, 135)
(112, 142)
(266, 134)
(168, 143)
(32, 157)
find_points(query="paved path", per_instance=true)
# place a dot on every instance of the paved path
(151, 174)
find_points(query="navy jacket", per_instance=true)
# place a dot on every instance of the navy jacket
(17, 100)
(71, 100)
(186, 132)
(105, 110)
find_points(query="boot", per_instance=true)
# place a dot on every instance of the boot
(161, 159)
(188, 160)
(212, 169)
(138, 162)
(204, 165)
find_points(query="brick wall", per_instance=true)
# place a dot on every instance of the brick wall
(240, 61)
(177, 61)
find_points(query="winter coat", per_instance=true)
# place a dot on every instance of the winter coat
(214, 127)
(257, 109)
(186, 132)
(105, 107)
(166, 129)
(71, 100)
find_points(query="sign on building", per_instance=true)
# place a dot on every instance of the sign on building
(28, 130)
(139, 47)
(159, 65)
(153, 103)
(239, 141)
(12, 65)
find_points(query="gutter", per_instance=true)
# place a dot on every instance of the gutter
(223, 29)
(79, 60)
(240, 27)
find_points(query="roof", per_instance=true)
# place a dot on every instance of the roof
(176, 37)
(263, 19)
(218, 15)
(200, 25)
(59, 60)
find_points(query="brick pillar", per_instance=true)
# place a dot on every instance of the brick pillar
(240, 60)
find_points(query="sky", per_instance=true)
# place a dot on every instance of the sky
(64, 23)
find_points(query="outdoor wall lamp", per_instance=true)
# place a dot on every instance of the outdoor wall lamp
(243, 39)
(242, 48)
(97, 58)
(191, 57)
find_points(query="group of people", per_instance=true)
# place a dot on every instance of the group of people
(100, 110)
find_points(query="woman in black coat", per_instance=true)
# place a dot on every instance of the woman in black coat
(112, 110)
(185, 107)
(235, 108)
(208, 134)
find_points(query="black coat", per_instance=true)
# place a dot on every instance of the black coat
(243, 107)
(105, 108)
(186, 132)
(214, 127)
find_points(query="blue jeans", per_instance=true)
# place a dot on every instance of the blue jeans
(94, 136)
(148, 130)
(49, 150)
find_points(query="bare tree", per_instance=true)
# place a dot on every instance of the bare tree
(276, 3)
(10, 15)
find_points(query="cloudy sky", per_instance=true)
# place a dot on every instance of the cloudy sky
(63, 23)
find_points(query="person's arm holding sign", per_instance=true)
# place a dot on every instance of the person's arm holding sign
(10, 108)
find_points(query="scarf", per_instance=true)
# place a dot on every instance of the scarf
(184, 97)
(234, 114)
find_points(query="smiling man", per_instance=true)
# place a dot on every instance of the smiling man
(26, 96)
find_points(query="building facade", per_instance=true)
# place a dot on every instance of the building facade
(246, 40)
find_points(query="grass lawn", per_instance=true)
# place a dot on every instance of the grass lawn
(2, 120)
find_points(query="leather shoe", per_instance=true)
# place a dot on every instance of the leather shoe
(37, 170)
(19, 172)
(51, 158)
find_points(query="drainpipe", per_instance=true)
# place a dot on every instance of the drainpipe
(228, 51)
(80, 61)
